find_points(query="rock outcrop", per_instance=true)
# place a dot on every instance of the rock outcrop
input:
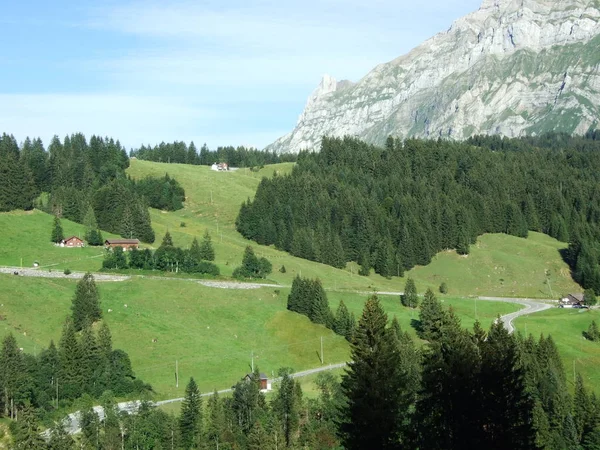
(513, 67)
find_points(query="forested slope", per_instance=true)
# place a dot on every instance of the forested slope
(395, 207)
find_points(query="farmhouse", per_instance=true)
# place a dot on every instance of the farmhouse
(125, 244)
(571, 301)
(73, 241)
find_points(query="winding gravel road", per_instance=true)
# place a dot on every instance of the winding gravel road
(531, 307)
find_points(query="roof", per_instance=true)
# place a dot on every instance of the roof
(122, 241)
(72, 237)
(261, 376)
(573, 298)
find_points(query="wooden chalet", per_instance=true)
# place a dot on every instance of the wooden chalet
(571, 301)
(73, 241)
(263, 381)
(125, 244)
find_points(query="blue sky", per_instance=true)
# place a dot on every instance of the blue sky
(220, 72)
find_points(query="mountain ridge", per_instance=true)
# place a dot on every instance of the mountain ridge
(512, 67)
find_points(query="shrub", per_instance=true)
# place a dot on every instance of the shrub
(182, 225)
(443, 288)
(592, 333)
(67, 272)
(282, 269)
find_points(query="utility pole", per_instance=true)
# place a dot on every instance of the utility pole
(322, 359)
(475, 308)
(548, 281)
(176, 373)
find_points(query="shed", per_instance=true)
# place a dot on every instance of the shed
(263, 380)
(73, 241)
(125, 244)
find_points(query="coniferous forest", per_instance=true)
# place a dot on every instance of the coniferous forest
(395, 207)
(180, 153)
(78, 175)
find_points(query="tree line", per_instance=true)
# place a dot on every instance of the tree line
(84, 364)
(181, 153)
(395, 207)
(167, 257)
(77, 176)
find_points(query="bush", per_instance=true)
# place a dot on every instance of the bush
(589, 297)
(444, 288)
(182, 225)
(592, 333)
(67, 272)
(282, 269)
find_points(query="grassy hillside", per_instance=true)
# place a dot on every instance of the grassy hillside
(566, 326)
(25, 238)
(498, 265)
(210, 332)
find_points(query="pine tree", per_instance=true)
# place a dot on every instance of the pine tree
(60, 439)
(286, 405)
(410, 298)
(190, 420)
(593, 334)
(319, 307)
(90, 359)
(128, 228)
(195, 252)
(373, 385)
(342, 324)
(207, 252)
(70, 379)
(216, 423)
(86, 303)
(26, 435)
(12, 376)
(431, 317)
(57, 231)
(507, 406)
(364, 261)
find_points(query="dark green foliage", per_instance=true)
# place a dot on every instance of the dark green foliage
(57, 231)
(93, 236)
(190, 420)
(26, 433)
(308, 297)
(286, 405)
(12, 377)
(373, 385)
(410, 298)
(115, 259)
(206, 251)
(252, 266)
(589, 297)
(443, 288)
(592, 333)
(432, 317)
(161, 193)
(86, 303)
(60, 439)
(415, 198)
(282, 269)
(181, 153)
(17, 184)
(247, 402)
(344, 323)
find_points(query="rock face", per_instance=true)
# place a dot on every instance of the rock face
(513, 67)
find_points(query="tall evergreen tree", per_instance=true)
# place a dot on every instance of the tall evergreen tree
(207, 252)
(286, 405)
(12, 376)
(86, 303)
(431, 317)
(190, 420)
(410, 297)
(57, 231)
(373, 385)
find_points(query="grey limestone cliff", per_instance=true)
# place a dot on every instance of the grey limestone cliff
(513, 67)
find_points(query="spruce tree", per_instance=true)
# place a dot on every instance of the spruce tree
(86, 303)
(342, 324)
(190, 420)
(207, 252)
(287, 404)
(12, 376)
(90, 359)
(410, 298)
(319, 309)
(431, 317)
(60, 439)
(57, 231)
(589, 297)
(26, 434)
(373, 385)
(70, 379)
(593, 334)
(195, 252)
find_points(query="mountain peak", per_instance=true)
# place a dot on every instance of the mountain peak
(513, 67)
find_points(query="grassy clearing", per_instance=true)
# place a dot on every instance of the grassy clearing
(26, 238)
(566, 327)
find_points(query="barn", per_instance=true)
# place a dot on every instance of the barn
(125, 244)
(263, 381)
(73, 241)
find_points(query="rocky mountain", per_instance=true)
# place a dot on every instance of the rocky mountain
(513, 67)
